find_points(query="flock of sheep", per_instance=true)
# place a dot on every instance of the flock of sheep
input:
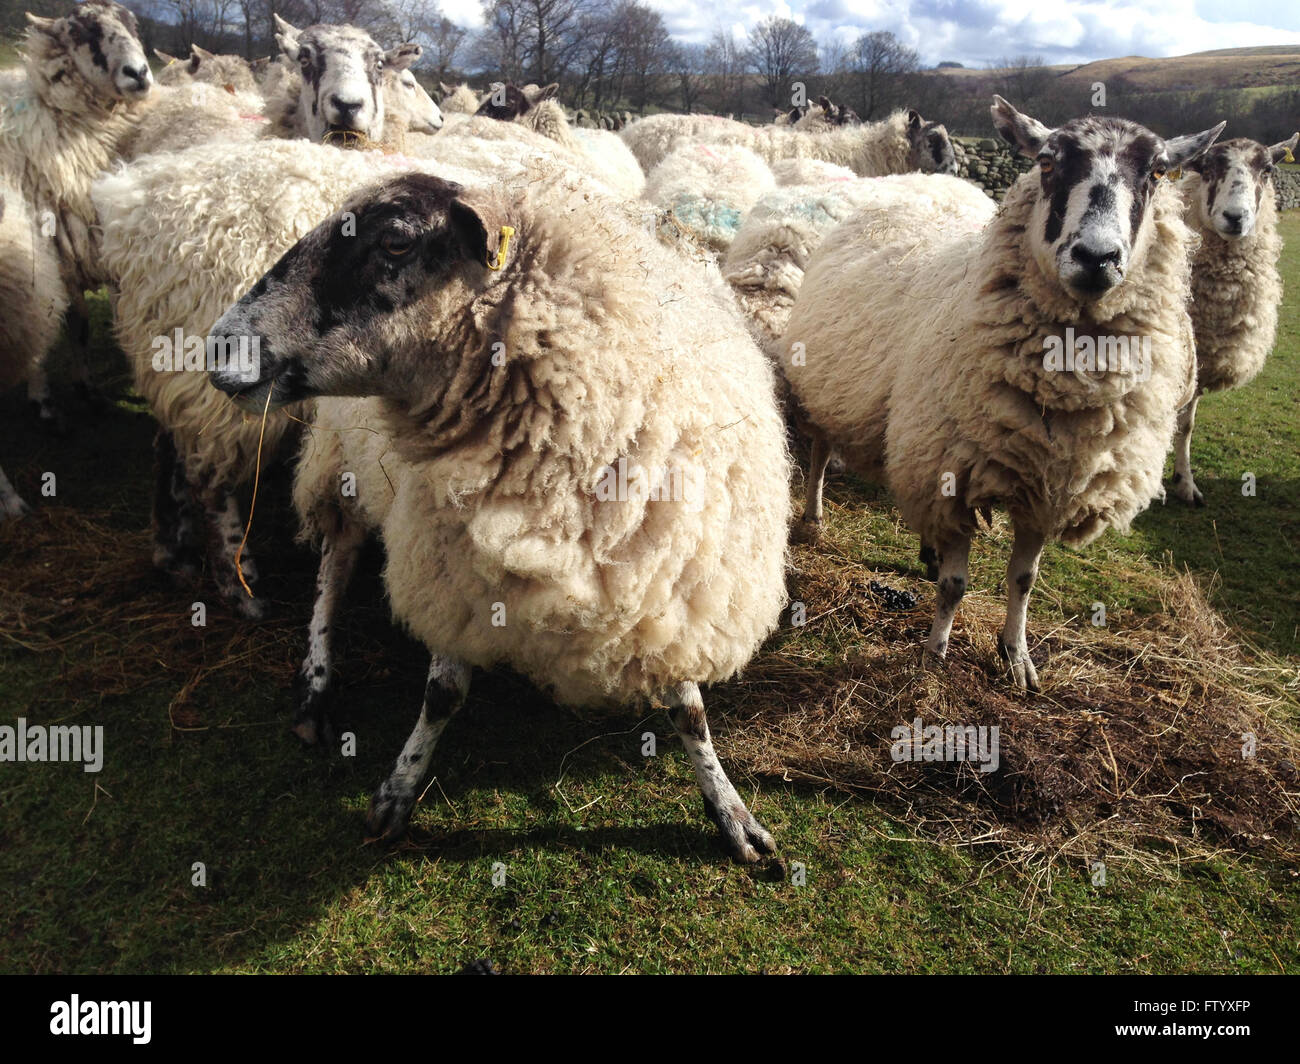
(553, 366)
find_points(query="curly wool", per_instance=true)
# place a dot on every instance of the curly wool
(809, 172)
(462, 100)
(183, 236)
(765, 264)
(222, 71)
(180, 117)
(871, 150)
(939, 325)
(1236, 292)
(492, 497)
(56, 137)
(709, 188)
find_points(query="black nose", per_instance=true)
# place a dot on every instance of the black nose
(1233, 218)
(346, 109)
(1094, 259)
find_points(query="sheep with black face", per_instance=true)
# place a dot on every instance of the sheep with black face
(1236, 287)
(500, 402)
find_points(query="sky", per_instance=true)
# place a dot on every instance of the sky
(975, 32)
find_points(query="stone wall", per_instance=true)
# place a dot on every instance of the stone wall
(994, 167)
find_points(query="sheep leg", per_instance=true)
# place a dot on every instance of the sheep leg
(930, 559)
(225, 533)
(744, 837)
(11, 504)
(391, 804)
(1184, 486)
(78, 321)
(1022, 571)
(953, 559)
(338, 558)
(808, 530)
(175, 550)
(38, 398)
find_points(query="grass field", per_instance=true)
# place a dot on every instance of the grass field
(609, 863)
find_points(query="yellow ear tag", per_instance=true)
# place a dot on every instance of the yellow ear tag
(1288, 157)
(506, 233)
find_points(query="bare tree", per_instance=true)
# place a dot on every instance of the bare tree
(688, 65)
(725, 63)
(879, 64)
(779, 49)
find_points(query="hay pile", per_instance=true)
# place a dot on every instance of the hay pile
(1132, 751)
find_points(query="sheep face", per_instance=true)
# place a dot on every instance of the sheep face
(507, 102)
(342, 72)
(1234, 177)
(424, 116)
(1097, 177)
(346, 308)
(930, 145)
(102, 41)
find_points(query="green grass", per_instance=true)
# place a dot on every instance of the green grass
(609, 863)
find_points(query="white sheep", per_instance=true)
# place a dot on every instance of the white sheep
(708, 189)
(899, 144)
(959, 361)
(84, 77)
(230, 72)
(809, 172)
(35, 299)
(459, 99)
(178, 255)
(1236, 287)
(587, 467)
(765, 263)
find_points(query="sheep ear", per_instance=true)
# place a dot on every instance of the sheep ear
(1284, 151)
(287, 38)
(478, 226)
(1020, 131)
(825, 104)
(283, 27)
(201, 54)
(914, 121)
(403, 56)
(44, 25)
(163, 57)
(195, 61)
(1182, 150)
(547, 93)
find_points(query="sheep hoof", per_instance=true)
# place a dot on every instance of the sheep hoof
(934, 660)
(806, 530)
(311, 721)
(1023, 673)
(746, 840)
(1187, 491)
(12, 508)
(389, 815)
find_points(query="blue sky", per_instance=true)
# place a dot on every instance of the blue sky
(976, 31)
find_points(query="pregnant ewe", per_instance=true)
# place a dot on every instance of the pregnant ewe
(1036, 364)
(583, 468)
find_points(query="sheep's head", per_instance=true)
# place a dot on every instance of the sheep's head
(1097, 178)
(507, 102)
(102, 41)
(931, 148)
(230, 72)
(345, 310)
(342, 72)
(423, 115)
(1234, 178)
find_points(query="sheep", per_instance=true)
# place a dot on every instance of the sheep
(181, 116)
(347, 72)
(901, 143)
(809, 172)
(792, 116)
(708, 188)
(765, 263)
(504, 439)
(148, 210)
(230, 72)
(960, 340)
(85, 76)
(532, 107)
(826, 115)
(1236, 288)
(610, 160)
(29, 282)
(460, 99)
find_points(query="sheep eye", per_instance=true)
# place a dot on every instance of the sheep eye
(396, 246)
(304, 57)
(1158, 173)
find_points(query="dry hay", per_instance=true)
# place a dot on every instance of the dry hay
(1132, 751)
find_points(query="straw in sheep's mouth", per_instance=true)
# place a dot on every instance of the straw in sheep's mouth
(345, 137)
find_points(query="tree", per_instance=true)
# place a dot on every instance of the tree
(688, 65)
(725, 63)
(880, 63)
(779, 49)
